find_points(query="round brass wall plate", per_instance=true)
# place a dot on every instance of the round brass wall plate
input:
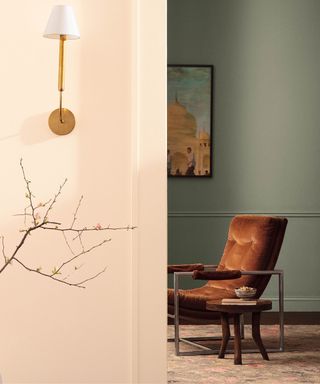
(65, 127)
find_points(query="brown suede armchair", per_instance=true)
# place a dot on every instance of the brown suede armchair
(249, 258)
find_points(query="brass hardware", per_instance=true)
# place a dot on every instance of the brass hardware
(61, 127)
(60, 108)
(61, 121)
(61, 63)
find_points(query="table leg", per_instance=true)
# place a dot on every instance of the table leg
(237, 339)
(256, 334)
(225, 334)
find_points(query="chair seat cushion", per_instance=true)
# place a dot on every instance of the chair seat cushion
(196, 299)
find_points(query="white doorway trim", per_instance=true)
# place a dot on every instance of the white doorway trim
(149, 256)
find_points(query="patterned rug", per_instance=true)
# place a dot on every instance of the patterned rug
(300, 363)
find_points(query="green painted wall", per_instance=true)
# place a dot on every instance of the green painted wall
(266, 137)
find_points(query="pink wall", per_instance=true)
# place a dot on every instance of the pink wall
(114, 331)
(51, 333)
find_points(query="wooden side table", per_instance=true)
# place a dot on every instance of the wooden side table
(235, 310)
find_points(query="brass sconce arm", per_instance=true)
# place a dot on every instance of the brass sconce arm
(61, 64)
(62, 25)
(61, 75)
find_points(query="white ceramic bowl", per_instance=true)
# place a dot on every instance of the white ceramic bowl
(248, 293)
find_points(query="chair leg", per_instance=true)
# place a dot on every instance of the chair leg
(242, 326)
(256, 334)
(225, 334)
(237, 339)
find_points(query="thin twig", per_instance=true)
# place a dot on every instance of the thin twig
(75, 270)
(42, 205)
(76, 212)
(79, 236)
(93, 277)
(54, 199)
(67, 242)
(26, 214)
(85, 229)
(29, 193)
(27, 233)
(80, 254)
(80, 241)
(79, 285)
(3, 249)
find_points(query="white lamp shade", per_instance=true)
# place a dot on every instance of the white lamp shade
(62, 21)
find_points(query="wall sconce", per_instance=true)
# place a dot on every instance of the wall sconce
(62, 25)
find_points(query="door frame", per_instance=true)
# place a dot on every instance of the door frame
(149, 191)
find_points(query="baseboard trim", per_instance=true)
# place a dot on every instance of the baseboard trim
(231, 214)
(290, 318)
(268, 318)
(298, 304)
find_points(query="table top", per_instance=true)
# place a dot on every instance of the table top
(260, 305)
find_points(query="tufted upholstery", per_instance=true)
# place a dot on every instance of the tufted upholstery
(253, 243)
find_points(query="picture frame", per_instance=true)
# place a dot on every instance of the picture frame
(190, 120)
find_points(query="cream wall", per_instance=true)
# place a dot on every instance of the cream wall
(150, 192)
(51, 333)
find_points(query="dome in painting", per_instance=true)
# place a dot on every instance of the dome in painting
(180, 121)
(203, 135)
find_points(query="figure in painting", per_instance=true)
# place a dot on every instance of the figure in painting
(191, 162)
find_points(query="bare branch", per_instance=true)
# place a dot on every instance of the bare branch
(42, 205)
(76, 212)
(85, 229)
(29, 193)
(67, 242)
(54, 199)
(79, 236)
(79, 285)
(38, 221)
(12, 257)
(22, 214)
(80, 241)
(76, 268)
(3, 250)
(81, 253)
(93, 277)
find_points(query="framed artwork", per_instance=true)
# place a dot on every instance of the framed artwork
(190, 93)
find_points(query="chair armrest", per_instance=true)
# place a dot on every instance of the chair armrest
(216, 275)
(263, 272)
(185, 268)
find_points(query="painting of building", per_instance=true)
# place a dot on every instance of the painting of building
(190, 121)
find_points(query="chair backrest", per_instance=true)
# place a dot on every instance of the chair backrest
(253, 243)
